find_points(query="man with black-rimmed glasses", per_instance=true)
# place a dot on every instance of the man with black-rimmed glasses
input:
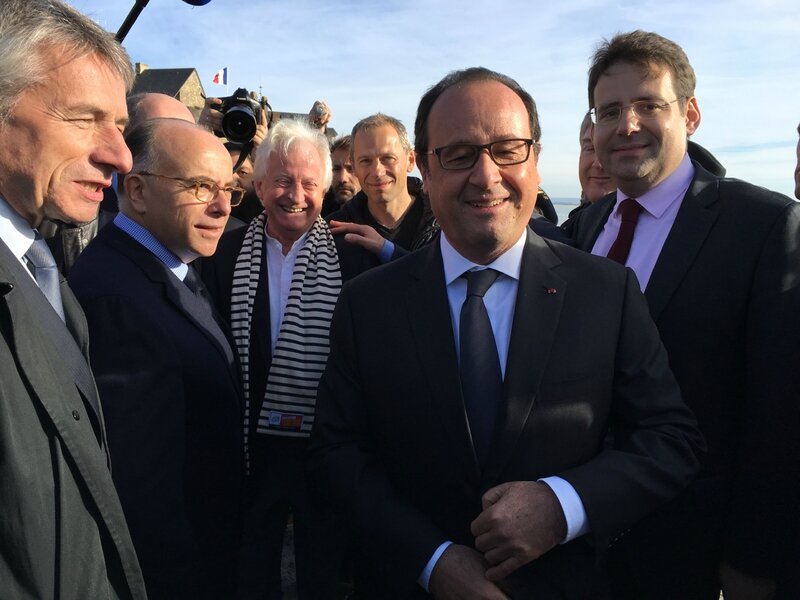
(462, 418)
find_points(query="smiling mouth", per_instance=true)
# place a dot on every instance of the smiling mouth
(628, 148)
(292, 210)
(489, 204)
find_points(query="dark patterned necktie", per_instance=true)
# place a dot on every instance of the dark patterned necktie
(43, 267)
(629, 210)
(481, 376)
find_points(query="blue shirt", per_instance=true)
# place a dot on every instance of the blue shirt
(149, 241)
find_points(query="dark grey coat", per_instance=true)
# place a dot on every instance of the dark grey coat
(62, 531)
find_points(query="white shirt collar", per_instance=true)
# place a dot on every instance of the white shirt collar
(509, 263)
(15, 231)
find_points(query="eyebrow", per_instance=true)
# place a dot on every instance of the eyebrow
(649, 98)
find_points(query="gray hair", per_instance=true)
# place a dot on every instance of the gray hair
(282, 136)
(34, 34)
(379, 120)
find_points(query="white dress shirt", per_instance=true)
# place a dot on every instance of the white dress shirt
(16, 233)
(280, 269)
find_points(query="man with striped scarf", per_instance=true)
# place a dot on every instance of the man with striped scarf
(277, 281)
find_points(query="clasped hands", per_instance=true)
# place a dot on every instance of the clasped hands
(521, 520)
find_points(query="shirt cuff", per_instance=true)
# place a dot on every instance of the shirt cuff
(571, 504)
(385, 255)
(425, 578)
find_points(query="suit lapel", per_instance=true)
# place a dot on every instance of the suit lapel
(52, 361)
(429, 318)
(194, 309)
(65, 339)
(540, 297)
(695, 218)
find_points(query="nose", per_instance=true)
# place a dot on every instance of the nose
(378, 169)
(221, 205)
(295, 191)
(485, 174)
(628, 121)
(110, 149)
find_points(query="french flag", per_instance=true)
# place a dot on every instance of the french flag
(221, 76)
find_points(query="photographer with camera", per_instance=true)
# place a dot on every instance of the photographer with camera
(238, 118)
(244, 122)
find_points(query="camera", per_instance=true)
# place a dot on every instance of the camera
(241, 114)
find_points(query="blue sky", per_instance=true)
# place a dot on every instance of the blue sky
(365, 57)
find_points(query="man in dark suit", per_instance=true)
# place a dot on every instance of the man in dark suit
(62, 109)
(164, 364)
(719, 262)
(471, 495)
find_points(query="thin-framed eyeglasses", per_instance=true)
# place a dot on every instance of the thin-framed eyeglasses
(645, 110)
(504, 153)
(205, 191)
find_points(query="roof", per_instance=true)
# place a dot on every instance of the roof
(165, 81)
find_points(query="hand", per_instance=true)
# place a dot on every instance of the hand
(210, 116)
(459, 573)
(362, 235)
(317, 120)
(261, 131)
(521, 520)
(738, 585)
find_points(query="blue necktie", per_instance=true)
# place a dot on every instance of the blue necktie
(43, 267)
(481, 377)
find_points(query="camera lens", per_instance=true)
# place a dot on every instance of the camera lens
(239, 124)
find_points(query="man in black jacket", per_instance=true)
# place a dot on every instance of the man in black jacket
(390, 201)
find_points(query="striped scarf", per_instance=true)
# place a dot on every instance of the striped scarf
(301, 350)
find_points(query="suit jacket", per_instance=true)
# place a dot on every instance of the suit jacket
(725, 297)
(391, 441)
(173, 410)
(62, 530)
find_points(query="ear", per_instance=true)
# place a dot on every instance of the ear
(260, 189)
(425, 172)
(692, 115)
(134, 193)
(412, 158)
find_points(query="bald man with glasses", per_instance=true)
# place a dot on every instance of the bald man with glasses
(163, 362)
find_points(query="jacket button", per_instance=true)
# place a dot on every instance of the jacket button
(76, 415)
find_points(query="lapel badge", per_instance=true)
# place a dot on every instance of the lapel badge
(551, 291)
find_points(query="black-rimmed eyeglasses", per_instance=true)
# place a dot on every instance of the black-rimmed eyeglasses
(504, 153)
(205, 191)
(644, 110)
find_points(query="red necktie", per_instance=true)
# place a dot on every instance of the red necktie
(629, 210)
